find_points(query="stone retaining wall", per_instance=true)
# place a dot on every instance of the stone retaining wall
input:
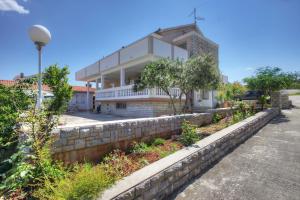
(80, 143)
(159, 179)
(90, 143)
(285, 102)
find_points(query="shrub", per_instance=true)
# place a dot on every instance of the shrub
(238, 116)
(158, 141)
(216, 118)
(118, 165)
(84, 183)
(139, 147)
(189, 135)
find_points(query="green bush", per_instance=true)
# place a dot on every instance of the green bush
(216, 118)
(139, 147)
(158, 141)
(85, 183)
(238, 116)
(189, 135)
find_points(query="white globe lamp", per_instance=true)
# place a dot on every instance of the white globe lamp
(40, 35)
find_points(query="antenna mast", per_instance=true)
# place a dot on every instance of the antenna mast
(194, 13)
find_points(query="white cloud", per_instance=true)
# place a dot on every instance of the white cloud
(12, 5)
(249, 69)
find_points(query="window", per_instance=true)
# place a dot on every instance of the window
(120, 105)
(205, 94)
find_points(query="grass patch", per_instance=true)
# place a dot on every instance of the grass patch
(86, 182)
(295, 94)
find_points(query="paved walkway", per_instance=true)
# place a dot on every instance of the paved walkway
(266, 166)
(88, 118)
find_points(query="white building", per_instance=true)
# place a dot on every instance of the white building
(115, 74)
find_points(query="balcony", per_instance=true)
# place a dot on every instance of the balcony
(144, 49)
(126, 93)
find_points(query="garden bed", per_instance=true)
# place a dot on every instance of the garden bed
(86, 181)
(119, 164)
(207, 130)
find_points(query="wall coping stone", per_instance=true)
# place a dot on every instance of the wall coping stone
(149, 171)
(137, 120)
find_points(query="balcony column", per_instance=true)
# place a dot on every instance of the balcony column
(97, 84)
(102, 82)
(88, 96)
(122, 77)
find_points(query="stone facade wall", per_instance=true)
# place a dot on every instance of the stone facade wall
(76, 144)
(199, 46)
(160, 179)
(139, 108)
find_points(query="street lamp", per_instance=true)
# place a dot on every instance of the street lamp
(40, 35)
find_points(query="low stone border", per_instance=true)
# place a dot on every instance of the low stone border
(159, 179)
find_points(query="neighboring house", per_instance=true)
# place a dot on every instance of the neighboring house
(115, 74)
(82, 99)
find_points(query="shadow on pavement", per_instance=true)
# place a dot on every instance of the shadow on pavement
(280, 119)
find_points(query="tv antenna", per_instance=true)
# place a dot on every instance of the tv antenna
(196, 18)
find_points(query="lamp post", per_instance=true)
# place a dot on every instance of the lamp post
(40, 35)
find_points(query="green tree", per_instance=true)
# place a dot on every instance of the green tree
(163, 74)
(200, 72)
(196, 73)
(228, 92)
(33, 168)
(269, 79)
(57, 80)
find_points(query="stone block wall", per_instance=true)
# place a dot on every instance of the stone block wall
(160, 179)
(139, 108)
(276, 99)
(79, 143)
(285, 102)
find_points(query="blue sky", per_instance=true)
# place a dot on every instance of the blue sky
(250, 33)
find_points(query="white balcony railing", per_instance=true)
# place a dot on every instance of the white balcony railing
(127, 92)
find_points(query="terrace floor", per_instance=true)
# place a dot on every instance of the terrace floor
(88, 118)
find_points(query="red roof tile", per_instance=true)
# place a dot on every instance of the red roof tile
(46, 88)
(82, 89)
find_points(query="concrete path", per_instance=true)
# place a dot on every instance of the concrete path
(88, 118)
(266, 166)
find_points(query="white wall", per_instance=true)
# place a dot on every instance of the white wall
(93, 69)
(134, 51)
(80, 74)
(161, 48)
(205, 103)
(109, 62)
(78, 101)
(180, 53)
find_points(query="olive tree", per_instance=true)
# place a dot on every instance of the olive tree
(163, 74)
(196, 73)
(200, 72)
